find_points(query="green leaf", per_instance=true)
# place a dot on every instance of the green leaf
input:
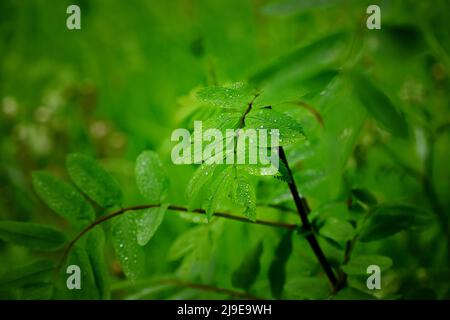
(36, 272)
(63, 199)
(365, 196)
(293, 7)
(387, 220)
(130, 254)
(197, 182)
(277, 270)
(379, 106)
(352, 294)
(358, 264)
(222, 122)
(147, 222)
(219, 189)
(79, 256)
(247, 272)
(185, 243)
(244, 195)
(235, 96)
(337, 229)
(93, 180)
(152, 181)
(209, 187)
(283, 173)
(37, 291)
(95, 248)
(304, 61)
(151, 177)
(307, 288)
(31, 235)
(289, 129)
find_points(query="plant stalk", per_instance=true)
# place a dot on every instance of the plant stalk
(114, 214)
(303, 210)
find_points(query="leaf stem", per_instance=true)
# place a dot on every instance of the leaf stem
(173, 208)
(303, 210)
(247, 111)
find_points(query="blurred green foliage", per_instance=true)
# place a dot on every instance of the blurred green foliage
(374, 106)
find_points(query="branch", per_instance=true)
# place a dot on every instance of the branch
(246, 112)
(173, 208)
(303, 210)
(342, 276)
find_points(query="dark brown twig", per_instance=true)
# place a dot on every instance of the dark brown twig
(173, 208)
(302, 209)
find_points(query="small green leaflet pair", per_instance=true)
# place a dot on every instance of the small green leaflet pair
(131, 232)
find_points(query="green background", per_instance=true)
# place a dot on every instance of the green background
(127, 79)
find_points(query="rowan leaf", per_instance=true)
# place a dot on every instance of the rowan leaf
(93, 180)
(95, 248)
(277, 270)
(358, 264)
(304, 61)
(35, 272)
(337, 229)
(62, 198)
(151, 177)
(365, 196)
(307, 288)
(290, 131)
(244, 195)
(147, 222)
(247, 272)
(31, 235)
(235, 96)
(380, 106)
(130, 254)
(389, 219)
